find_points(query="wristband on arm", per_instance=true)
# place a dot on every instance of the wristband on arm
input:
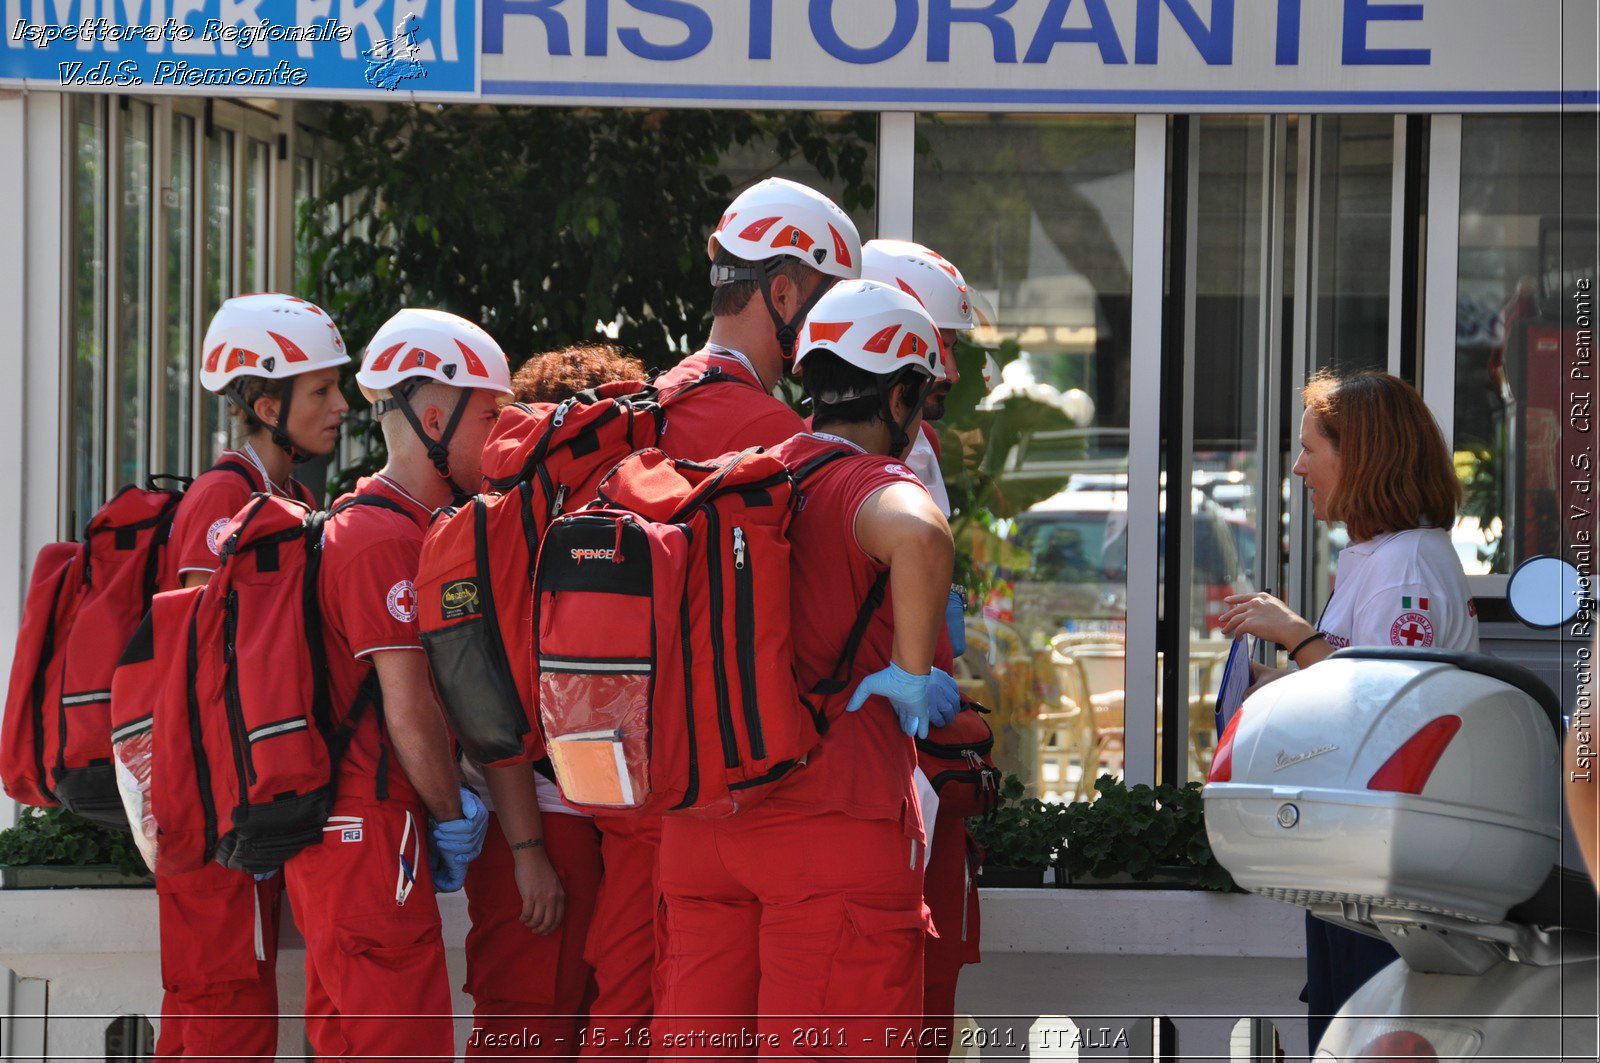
(1308, 640)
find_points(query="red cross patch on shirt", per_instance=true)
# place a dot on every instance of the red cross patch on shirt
(1411, 629)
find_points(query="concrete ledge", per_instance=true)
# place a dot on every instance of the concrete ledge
(1112, 922)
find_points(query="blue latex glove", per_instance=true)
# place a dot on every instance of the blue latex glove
(906, 692)
(265, 875)
(944, 697)
(447, 877)
(955, 621)
(459, 841)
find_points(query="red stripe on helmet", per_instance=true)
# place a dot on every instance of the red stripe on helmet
(911, 292)
(475, 365)
(756, 230)
(386, 358)
(841, 253)
(239, 358)
(793, 236)
(423, 359)
(912, 346)
(879, 344)
(828, 331)
(212, 356)
(291, 352)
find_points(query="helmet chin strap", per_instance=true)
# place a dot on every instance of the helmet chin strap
(899, 436)
(788, 332)
(234, 393)
(438, 449)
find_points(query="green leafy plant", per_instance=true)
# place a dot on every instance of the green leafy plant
(1023, 832)
(1139, 830)
(550, 225)
(57, 838)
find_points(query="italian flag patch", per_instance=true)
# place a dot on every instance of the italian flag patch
(1414, 603)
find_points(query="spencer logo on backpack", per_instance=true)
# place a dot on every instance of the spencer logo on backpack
(665, 666)
(245, 742)
(84, 601)
(475, 575)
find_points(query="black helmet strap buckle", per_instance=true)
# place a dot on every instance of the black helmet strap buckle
(438, 449)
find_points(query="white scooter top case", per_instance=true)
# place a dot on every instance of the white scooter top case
(1387, 780)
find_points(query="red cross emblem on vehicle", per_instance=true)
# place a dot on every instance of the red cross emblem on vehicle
(1411, 629)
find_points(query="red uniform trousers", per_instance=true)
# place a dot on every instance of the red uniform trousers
(806, 928)
(376, 986)
(219, 965)
(621, 945)
(952, 899)
(527, 986)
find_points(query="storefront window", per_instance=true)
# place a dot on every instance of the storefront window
(1528, 220)
(85, 431)
(257, 204)
(219, 281)
(1352, 197)
(180, 346)
(1037, 211)
(131, 408)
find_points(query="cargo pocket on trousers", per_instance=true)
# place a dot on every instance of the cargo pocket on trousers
(877, 968)
(397, 949)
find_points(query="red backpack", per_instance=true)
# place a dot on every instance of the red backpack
(665, 668)
(246, 740)
(84, 601)
(958, 761)
(143, 688)
(475, 576)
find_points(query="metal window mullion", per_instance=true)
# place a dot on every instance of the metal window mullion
(1177, 385)
(199, 191)
(113, 287)
(1397, 246)
(160, 180)
(1144, 445)
(897, 163)
(1438, 369)
(1300, 531)
(1269, 356)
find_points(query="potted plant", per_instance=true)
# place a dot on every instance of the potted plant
(1020, 840)
(1139, 837)
(51, 847)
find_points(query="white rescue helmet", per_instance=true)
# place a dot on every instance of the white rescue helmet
(873, 327)
(268, 335)
(418, 347)
(926, 275)
(433, 345)
(778, 218)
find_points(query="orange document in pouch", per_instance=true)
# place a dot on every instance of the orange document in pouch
(591, 769)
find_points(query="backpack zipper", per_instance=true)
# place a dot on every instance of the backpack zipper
(243, 762)
(730, 740)
(744, 631)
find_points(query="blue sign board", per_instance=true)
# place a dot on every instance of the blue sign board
(244, 47)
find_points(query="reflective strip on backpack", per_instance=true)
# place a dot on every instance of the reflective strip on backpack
(133, 728)
(268, 730)
(93, 697)
(592, 664)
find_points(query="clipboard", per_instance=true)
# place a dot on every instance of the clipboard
(1235, 681)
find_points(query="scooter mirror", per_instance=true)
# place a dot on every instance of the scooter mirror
(1546, 592)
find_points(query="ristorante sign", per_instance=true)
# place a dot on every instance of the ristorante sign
(1115, 55)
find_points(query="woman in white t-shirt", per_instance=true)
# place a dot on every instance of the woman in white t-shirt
(1373, 457)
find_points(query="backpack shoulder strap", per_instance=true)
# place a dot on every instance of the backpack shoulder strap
(811, 468)
(373, 500)
(238, 468)
(835, 682)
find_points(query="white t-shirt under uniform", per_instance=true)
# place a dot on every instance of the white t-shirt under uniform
(1402, 589)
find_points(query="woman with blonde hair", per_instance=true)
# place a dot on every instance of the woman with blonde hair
(1372, 457)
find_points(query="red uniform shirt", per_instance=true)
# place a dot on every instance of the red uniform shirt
(720, 418)
(207, 507)
(369, 603)
(865, 762)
